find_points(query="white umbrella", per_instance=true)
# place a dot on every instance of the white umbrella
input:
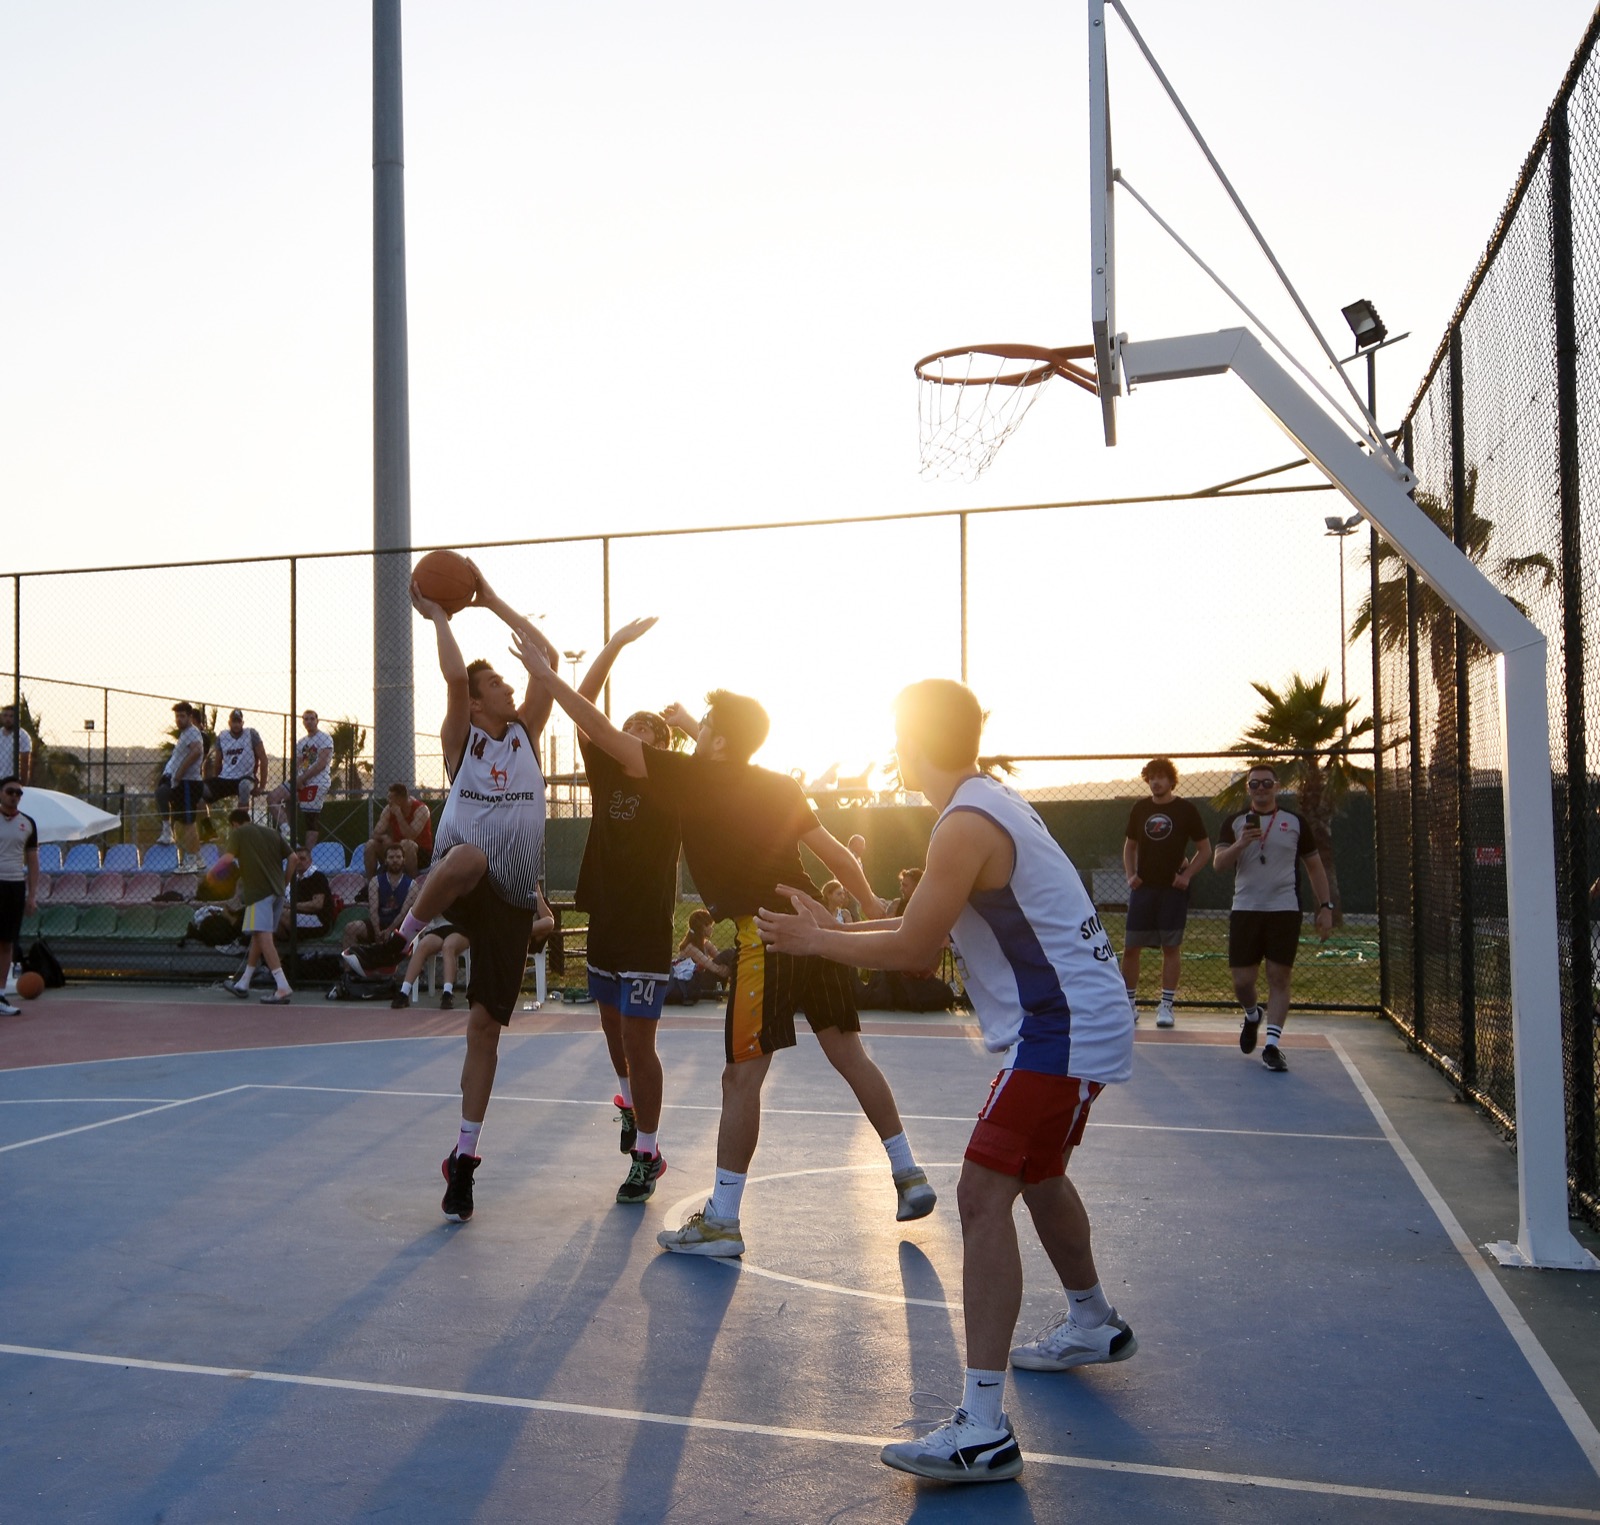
(63, 817)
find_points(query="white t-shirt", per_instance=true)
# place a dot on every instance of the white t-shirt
(17, 835)
(8, 750)
(309, 772)
(1266, 876)
(188, 755)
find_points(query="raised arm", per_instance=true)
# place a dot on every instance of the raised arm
(628, 750)
(600, 669)
(842, 864)
(457, 709)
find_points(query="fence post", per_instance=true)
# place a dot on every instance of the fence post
(1581, 1153)
(1419, 831)
(1463, 799)
(288, 762)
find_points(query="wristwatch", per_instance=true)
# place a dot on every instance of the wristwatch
(1326, 905)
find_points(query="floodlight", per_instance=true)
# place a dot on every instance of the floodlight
(1369, 329)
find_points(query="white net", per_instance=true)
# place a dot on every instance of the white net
(964, 421)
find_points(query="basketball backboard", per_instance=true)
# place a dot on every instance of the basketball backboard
(1102, 230)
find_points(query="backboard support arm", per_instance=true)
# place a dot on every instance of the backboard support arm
(1544, 1235)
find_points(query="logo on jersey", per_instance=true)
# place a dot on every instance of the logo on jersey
(498, 778)
(1158, 827)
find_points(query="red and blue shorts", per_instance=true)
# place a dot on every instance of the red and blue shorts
(1030, 1121)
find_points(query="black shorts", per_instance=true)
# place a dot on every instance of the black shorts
(498, 934)
(770, 987)
(221, 788)
(13, 903)
(180, 800)
(624, 950)
(1257, 935)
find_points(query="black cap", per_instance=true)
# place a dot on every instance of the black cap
(236, 715)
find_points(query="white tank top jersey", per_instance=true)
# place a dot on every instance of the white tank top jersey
(496, 803)
(1042, 974)
(238, 753)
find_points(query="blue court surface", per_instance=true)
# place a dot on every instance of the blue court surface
(227, 1293)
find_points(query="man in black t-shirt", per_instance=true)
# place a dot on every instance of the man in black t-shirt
(1155, 857)
(742, 829)
(628, 885)
(310, 897)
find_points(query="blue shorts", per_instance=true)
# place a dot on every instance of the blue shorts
(634, 995)
(1156, 916)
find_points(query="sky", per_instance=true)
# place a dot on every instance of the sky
(670, 268)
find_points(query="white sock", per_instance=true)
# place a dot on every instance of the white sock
(243, 982)
(405, 987)
(984, 1396)
(899, 1151)
(280, 979)
(1089, 1306)
(645, 1144)
(1133, 996)
(625, 1090)
(725, 1195)
(1168, 997)
(467, 1143)
(1273, 1035)
(449, 987)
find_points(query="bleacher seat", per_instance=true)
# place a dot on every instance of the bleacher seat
(184, 884)
(49, 857)
(68, 889)
(30, 927)
(329, 857)
(83, 858)
(140, 888)
(103, 889)
(173, 920)
(122, 857)
(161, 858)
(46, 886)
(346, 886)
(58, 921)
(97, 921)
(209, 853)
(136, 921)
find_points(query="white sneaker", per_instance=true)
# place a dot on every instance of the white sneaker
(917, 1198)
(7, 1009)
(1063, 1344)
(1165, 1016)
(960, 1451)
(166, 838)
(701, 1235)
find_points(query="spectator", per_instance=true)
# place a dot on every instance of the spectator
(699, 969)
(258, 850)
(310, 898)
(19, 875)
(910, 878)
(405, 823)
(389, 896)
(313, 775)
(237, 764)
(837, 899)
(438, 937)
(18, 765)
(858, 848)
(181, 786)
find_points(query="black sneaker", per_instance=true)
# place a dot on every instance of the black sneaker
(643, 1174)
(630, 1127)
(447, 1002)
(1247, 1032)
(457, 1172)
(400, 1002)
(1272, 1057)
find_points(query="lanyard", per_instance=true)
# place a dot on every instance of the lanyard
(1264, 830)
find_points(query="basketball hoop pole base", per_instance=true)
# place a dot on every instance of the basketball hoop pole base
(1510, 1257)
(1544, 1233)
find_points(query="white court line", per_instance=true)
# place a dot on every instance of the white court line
(789, 1432)
(67, 1101)
(127, 1117)
(1554, 1384)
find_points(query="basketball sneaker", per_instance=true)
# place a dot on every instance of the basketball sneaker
(700, 1235)
(400, 1001)
(630, 1125)
(643, 1174)
(457, 1172)
(1249, 1029)
(1272, 1057)
(447, 1002)
(960, 1451)
(1063, 1344)
(1165, 1016)
(916, 1196)
(7, 1009)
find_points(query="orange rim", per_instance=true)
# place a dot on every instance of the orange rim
(1050, 362)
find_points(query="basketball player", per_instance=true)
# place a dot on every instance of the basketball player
(489, 852)
(237, 763)
(1044, 984)
(742, 829)
(19, 875)
(628, 884)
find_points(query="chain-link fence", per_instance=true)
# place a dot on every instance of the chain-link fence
(1505, 439)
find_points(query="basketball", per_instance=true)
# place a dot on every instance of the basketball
(30, 985)
(221, 879)
(446, 579)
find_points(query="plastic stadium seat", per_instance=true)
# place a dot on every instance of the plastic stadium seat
(184, 884)
(68, 888)
(46, 885)
(123, 857)
(329, 857)
(58, 921)
(83, 857)
(140, 888)
(30, 926)
(346, 886)
(161, 858)
(209, 853)
(173, 920)
(97, 921)
(103, 889)
(49, 857)
(136, 921)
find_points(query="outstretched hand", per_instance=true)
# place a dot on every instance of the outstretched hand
(527, 650)
(681, 718)
(482, 594)
(631, 632)
(425, 606)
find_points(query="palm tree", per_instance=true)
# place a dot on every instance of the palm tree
(349, 740)
(1309, 736)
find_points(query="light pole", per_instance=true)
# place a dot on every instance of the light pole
(1340, 529)
(88, 757)
(574, 657)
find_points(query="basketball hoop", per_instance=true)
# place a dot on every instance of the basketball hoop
(974, 396)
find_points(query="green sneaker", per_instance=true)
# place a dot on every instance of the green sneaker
(704, 1236)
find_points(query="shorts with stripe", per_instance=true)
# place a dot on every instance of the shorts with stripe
(499, 934)
(261, 915)
(627, 992)
(1030, 1121)
(770, 987)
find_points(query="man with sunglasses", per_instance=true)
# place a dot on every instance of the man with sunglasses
(19, 875)
(1267, 843)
